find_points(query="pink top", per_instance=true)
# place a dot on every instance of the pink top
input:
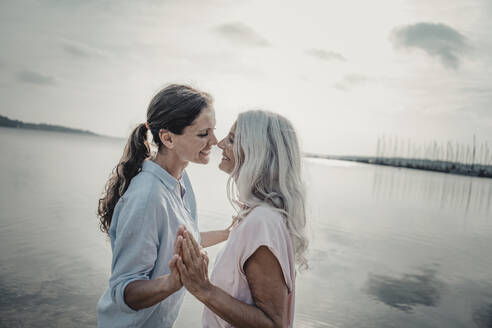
(262, 227)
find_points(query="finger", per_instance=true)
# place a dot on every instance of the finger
(205, 267)
(193, 244)
(181, 229)
(195, 253)
(232, 223)
(178, 244)
(172, 264)
(181, 267)
(180, 232)
(189, 245)
(187, 256)
(205, 256)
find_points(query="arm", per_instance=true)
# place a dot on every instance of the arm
(265, 280)
(210, 238)
(141, 294)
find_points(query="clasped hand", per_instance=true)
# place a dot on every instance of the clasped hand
(190, 263)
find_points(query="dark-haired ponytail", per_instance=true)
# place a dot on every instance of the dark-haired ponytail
(136, 151)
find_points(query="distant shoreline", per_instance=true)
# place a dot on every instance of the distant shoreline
(9, 123)
(475, 170)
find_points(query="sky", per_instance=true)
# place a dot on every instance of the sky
(344, 72)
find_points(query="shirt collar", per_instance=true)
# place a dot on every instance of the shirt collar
(167, 179)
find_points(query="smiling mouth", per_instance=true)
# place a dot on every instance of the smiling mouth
(224, 157)
(205, 153)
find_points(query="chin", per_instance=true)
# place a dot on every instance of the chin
(200, 161)
(225, 168)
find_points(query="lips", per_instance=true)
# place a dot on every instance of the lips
(225, 157)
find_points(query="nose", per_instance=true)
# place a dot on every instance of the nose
(213, 139)
(221, 144)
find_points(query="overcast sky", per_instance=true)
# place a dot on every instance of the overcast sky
(345, 72)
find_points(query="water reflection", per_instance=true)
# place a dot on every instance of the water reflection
(55, 263)
(408, 291)
(52, 303)
(482, 316)
(469, 194)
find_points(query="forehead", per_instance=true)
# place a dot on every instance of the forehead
(205, 120)
(233, 128)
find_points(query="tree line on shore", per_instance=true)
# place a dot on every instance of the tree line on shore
(9, 123)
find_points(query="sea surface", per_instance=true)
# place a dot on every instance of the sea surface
(389, 247)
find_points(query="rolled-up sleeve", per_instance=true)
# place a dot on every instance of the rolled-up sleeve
(135, 250)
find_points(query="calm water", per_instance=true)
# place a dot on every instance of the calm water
(390, 247)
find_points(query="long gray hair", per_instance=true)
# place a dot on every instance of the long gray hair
(268, 170)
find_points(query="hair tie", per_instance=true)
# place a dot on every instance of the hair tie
(147, 125)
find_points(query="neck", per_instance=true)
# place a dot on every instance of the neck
(171, 163)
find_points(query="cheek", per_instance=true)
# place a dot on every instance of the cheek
(227, 166)
(188, 149)
(201, 143)
(230, 154)
(232, 161)
(195, 146)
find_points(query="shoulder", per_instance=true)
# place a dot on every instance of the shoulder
(144, 182)
(145, 194)
(263, 217)
(262, 212)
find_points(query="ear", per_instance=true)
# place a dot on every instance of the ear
(167, 138)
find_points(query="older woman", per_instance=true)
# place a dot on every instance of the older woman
(253, 280)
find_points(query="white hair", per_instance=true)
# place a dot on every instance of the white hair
(268, 170)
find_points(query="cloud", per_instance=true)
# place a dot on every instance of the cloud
(408, 291)
(325, 55)
(241, 33)
(80, 50)
(31, 77)
(350, 81)
(436, 39)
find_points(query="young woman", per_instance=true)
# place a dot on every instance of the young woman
(148, 196)
(253, 280)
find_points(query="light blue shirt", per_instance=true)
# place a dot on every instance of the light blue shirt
(143, 230)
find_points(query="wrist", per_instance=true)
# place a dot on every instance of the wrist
(167, 285)
(205, 292)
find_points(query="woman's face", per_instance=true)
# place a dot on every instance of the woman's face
(226, 144)
(196, 142)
